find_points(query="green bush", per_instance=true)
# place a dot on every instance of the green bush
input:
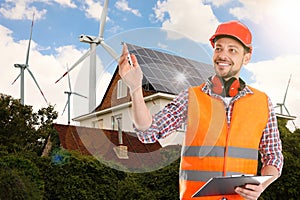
(79, 177)
(20, 179)
(160, 184)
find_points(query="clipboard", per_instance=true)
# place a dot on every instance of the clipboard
(227, 184)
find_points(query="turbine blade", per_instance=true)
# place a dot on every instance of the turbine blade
(69, 80)
(287, 89)
(28, 49)
(79, 94)
(103, 18)
(110, 51)
(31, 74)
(287, 110)
(16, 79)
(75, 64)
(65, 108)
(294, 124)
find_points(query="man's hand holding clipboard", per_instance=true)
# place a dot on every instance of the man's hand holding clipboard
(226, 185)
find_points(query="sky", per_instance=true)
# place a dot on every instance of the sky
(181, 27)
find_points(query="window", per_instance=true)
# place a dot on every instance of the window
(98, 124)
(122, 89)
(112, 122)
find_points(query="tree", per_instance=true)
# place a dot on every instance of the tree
(21, 128)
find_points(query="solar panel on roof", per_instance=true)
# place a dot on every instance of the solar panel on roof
(169, 73)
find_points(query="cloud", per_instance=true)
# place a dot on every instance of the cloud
(115, 29)
(24, 9)
(217, 3)
(123, 5)
(92, 9)
(21, 9)
(66, 3)
(276, 15)
(6, 36)
(190, 18)
(272, 77)
(252, 10)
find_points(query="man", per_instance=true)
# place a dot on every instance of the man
(227, 120)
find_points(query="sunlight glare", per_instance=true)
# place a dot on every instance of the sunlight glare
(286, 15)
(180, 77)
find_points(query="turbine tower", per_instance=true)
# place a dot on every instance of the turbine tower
(94, 41)
(25, 66)
(69, 93)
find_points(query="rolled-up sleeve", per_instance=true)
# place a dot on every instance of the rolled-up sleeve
(270, 146)
(166, 121)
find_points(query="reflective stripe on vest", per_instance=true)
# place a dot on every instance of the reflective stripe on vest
(204, 176)
(212, 148)
(216, 151)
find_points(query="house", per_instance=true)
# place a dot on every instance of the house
(165, 75)
(107, 133)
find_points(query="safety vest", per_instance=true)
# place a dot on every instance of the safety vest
(213, 148)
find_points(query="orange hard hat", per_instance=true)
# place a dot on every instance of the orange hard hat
(235, 29)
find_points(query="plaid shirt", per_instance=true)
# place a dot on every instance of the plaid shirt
(169, 119)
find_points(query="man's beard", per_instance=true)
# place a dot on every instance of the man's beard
(227, 75)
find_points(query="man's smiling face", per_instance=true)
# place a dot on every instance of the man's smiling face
(229, 57)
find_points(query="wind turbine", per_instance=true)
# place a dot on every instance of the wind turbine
(69, 93)
(26, 66)
(282, 105)
(94, 41)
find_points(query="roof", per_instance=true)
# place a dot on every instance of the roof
(102, 145)
(288, 117)
(163, 72)
(169, 73)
